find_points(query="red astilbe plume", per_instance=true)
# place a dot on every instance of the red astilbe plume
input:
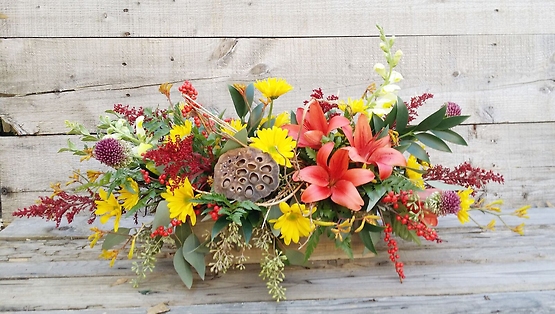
(327, 103)
(415, 103)
(60, 204)
(180, 162)
(464, 174)
(130, 113)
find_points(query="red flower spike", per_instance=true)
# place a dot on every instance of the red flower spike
(315, 126)
(368, 149)
(333, 179)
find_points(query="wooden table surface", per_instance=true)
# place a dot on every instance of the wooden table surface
(50, 270)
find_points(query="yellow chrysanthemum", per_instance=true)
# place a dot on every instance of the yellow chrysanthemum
(466, 201)
(415, 177)
(277, 143)
(273, 87)
(97, 235)
(130, 198)
(294, 223)
(180, 201)
(236, 125)
(111, 255)
(93, 175)
(491, 225)
(108, 207)
(522, 212)
(519, 229)
(281, 119)
(180, 131)
(354, 106)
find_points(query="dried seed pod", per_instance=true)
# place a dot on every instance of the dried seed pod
(245, 174)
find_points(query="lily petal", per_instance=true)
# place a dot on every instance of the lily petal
(323, 155)
(344, 193)
(314, 193)
(358, 176)
(314, 175)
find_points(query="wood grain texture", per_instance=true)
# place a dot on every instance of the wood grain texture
(468, 265)
(62, 18)
(92, 74)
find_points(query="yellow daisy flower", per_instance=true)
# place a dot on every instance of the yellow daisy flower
(180, 130)
(294, 223)
(466, 201)
(273, 87)
(180, 201)
(236, 125)
(281, 119)
(130, 198)
(277, 143)
(414, 176)
(108, 207)
(355, 106)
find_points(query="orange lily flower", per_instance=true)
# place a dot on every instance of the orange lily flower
(368, 149)
(314, 127)
(333, 179)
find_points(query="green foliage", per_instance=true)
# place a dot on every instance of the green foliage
(240, 137)
(193, 256)
(295, 257)
(312, 242)
(162, 215)
(344, 244)
(241, 107)
(183, 268)
(115, 238)
(366, 236)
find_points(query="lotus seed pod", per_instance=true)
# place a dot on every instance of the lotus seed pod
(246, 174)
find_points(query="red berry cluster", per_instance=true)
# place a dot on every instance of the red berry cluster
(188, 89)
(421, 229)
(214, 213)
(392, 251)
(162, 178)
(394, 198)
(164, 232)
(146, 176)
(187, 108)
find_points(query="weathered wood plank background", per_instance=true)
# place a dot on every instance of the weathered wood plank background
(49, 270)
(65, 61)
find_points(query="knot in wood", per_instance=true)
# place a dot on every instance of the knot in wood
(246, 174)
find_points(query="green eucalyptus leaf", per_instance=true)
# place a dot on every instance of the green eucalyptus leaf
(219, 225)
(390, 118)
(240, 136)
(376, 123)
(241, 107)
(433, 141)
(432, 120)
(113, 239)
(162, 215)
(450, 136)
(365, 236)
(295, 257)
(247, 229)
(181, 233)
(182, 268)
(194, 258)
(418, 152)
(402, 118)
(254, 118)
(249, 93)
(450, 122)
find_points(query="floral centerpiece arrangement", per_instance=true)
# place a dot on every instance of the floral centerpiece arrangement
(277, 182)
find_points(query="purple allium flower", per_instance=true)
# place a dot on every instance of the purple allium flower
(453, 109)
(450, 202)
(111, 152)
